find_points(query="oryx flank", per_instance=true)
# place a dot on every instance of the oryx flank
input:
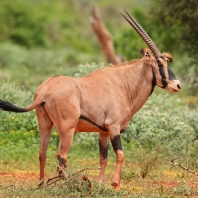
(103, 101)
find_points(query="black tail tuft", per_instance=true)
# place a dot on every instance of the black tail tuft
(7, 106)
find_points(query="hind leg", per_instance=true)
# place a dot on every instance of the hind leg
(66, 132)
(45, 127)
(64, 113)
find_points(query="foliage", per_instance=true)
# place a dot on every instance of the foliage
(40, 42)
(33, 27)
(21, 66)
(41, 26)
(165, 119)
(127, 41)
(183, 15)
(179, 20)
(18, 132)
(87, 68)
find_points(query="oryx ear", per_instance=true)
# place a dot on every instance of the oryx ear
(168, 57)
(145, 52)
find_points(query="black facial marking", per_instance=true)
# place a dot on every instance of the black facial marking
(162, 73)
(171, 75)
(103, 150)
(163, 58)
(90, 121)
(116, 143)
(122, 130)
(153, 82)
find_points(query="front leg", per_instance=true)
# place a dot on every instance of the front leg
(116, 143)
(103, 148)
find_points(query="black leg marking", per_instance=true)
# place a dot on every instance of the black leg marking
(103, 150)
(61, 161)
(116, 143)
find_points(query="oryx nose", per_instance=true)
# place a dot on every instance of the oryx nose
(179, 86)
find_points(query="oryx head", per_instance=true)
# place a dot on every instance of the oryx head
(157, 60)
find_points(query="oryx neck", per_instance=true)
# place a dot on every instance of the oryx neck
(139, 82)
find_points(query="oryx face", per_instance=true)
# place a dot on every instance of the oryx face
(165, 77)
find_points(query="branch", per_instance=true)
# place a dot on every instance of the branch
(104, 38)
(184, 168)
(66, 179)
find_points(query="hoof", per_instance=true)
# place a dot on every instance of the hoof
(115, 185)
(61, 173)
(41, 183)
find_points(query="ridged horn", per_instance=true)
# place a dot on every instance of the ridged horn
(143, 34)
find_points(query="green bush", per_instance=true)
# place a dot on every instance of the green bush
(38, 26)
(164, 120)
(28, 68)
(19, 132)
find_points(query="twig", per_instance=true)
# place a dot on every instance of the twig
(63, 178)
(64, 173)
(58, 179)
(179, 164)
(83, 170)
(173, 164)
(7, 186)
(147, 164)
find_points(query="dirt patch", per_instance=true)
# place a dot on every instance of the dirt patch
(165, 184)
(20, 176)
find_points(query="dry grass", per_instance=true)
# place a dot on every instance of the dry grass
(161, 182)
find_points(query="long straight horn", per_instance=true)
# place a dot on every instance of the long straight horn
(143, 34)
